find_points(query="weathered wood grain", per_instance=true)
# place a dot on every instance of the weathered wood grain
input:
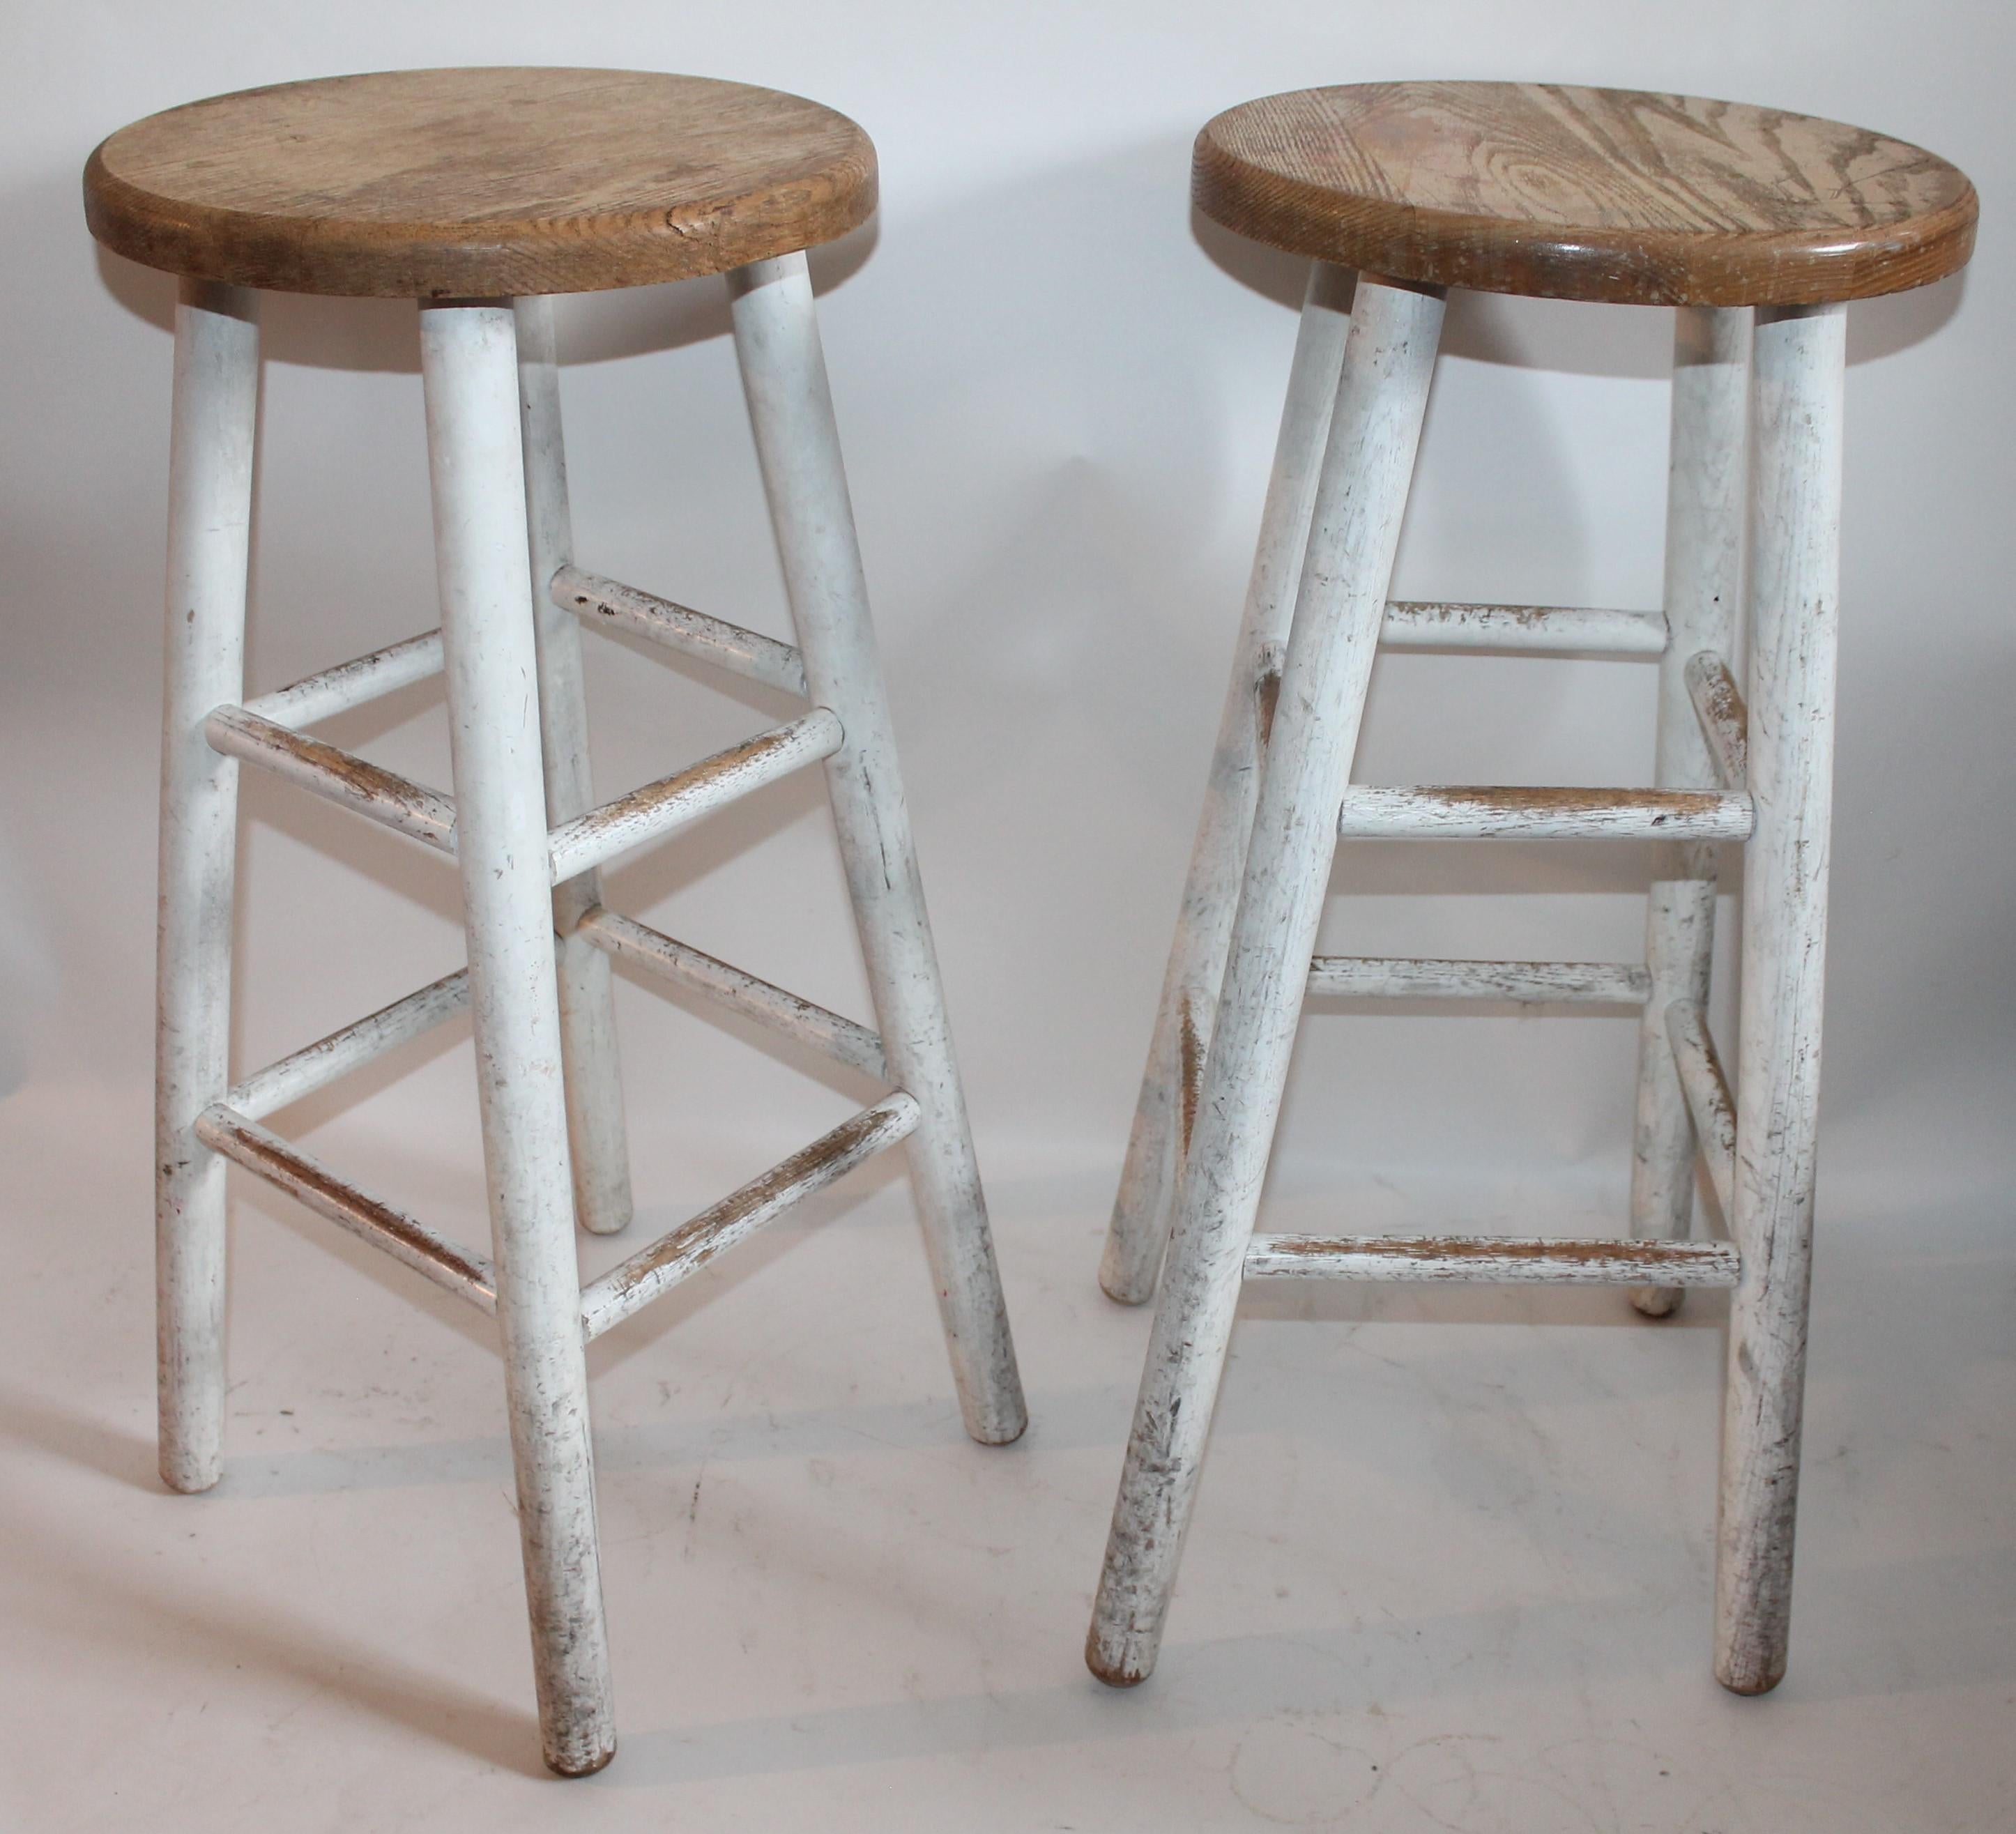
(1585, 194)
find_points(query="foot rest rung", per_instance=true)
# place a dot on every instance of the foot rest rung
(459, 1270)
(352, 684)
(1379, 977)
(1501, 1258)
(679, 627)
(760, 1002)
(690, 1247)
(330, 1059)
(1536, 630)
(656, 810)
(1519, 813)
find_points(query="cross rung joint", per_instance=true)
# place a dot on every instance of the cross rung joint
(1493, 1260)
(1531, 629)
(760, 1002)
(328, 1060)
(1380, 977)
(323, 696)
(1706, 1090)
(337, 776)
(611, 603)
(1520, 812)
(656, 810)
(678, 1256)
(450, 1266)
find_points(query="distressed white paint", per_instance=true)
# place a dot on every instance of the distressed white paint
(757, 1001)
(334, 691)
(598, 1148)
(798, 445)
(1183, 1019)
(1378, 977)
(1704, 511)
(448, 1265)
(1515, 812)
(1531, 629)
(1710, 1105)
(1496, 1260)
(1355, 528)
(1725, 720)
(686, 1249)
(1793, 602)
(330, 1059)
(209, 513)
(655, 811)
(469, 363)
(339, 776)
(749, 653)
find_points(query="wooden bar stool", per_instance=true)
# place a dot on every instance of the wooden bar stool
(1562, 193)
(477, 192)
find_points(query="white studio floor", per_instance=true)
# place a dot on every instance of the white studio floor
(1450, 1569)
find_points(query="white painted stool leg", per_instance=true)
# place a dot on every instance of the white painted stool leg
(209, 522)
(1375, 430)
(1793, 593)
(1704, 511)
(1164, 1115)
(469, 359)
(791, 408)
(598, 1140)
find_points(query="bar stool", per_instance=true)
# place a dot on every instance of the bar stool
(1562, 193)
(478, 192)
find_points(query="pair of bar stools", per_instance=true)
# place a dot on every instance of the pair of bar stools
(480, 192)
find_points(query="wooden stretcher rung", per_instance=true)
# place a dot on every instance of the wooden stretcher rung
(1517, 812)
(328, 1060)
(1381, 977)
(351, 684)
(1492, 1259)
(1709, 1102)
(598, 601)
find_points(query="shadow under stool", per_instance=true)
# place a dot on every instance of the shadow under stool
(478, 193)
(1759, 226)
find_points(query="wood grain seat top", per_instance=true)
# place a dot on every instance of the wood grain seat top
(441, 183)
(1585, 194)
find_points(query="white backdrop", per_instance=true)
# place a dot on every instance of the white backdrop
(1058, 391)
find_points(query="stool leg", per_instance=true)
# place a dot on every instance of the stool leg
(1705, 508)
(1795, 583)
(598, 1142)
(209, 522)
(1166, 1112)
(791, 408)
(1368, 464)
(468, 359)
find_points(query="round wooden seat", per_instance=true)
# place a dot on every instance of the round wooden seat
(474, 183)
(1585, 194)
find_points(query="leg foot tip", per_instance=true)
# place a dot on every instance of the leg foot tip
(1115, 1672)
(1750, 1685)
(1657, 1301)
(572, 1766)
(1120, 1293)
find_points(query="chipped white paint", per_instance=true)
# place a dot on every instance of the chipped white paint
(339, 776)
(598, 1148)
(1793, 604)
(1355, 528)
(1379, 977)
(469, 364)
(323, 696)
(1531, 629)
(1725, 720)
(676, 1257)
(1183, 1020)
(1516, 812)
(798, 445)
(757, 1001)
(1710, 1105)
(209, 515)
(330, 1059)
(1495, 1260)
(655, 811)
(680, 627)
(1705, 509)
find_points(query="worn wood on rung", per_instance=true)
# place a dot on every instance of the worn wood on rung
(1725, 720)
(1518, 812)
(351, 684)
(656, 809)
(459, 1270)
(329, 1060)
(1709, 1100)
(758, 1001)
(474, 183)
(689, 1248)
(1498, 1259)
(1539, 630)
(680, 627)
(1585, 194)
(1376, 977)
(340, 776)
